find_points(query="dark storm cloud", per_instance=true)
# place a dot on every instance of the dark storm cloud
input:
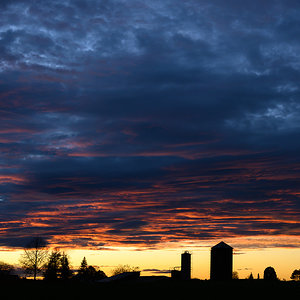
(138, 121)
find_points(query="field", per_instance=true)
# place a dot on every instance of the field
(162, 288)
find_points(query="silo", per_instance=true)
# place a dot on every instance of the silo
(221, 262)
(186, 265)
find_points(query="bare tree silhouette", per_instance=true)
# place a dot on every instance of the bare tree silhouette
(124, 268)
(34, 256)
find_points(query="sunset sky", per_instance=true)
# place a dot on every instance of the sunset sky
(159, 126)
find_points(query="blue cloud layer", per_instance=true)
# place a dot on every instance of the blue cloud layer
(137, 122)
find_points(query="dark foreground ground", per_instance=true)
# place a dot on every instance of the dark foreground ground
(156, 289)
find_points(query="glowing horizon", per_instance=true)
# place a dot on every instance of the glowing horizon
(155, 262)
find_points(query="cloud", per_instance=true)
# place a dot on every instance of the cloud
(141, 123)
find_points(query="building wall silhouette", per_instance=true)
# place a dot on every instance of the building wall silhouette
(221, 262)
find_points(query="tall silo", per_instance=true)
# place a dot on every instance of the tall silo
(221, 262)
(186, 265)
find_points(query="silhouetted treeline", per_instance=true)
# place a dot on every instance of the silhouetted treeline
(58, 268)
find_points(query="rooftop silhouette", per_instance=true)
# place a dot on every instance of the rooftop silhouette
(222, 245)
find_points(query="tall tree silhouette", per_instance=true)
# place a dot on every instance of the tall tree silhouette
(57, 266)
(52, 267)
(83, 266)
(65, 270)
(34, 256)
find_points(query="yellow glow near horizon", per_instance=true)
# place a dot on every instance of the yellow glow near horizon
(245, 261)
(10, 256)
(284, 260)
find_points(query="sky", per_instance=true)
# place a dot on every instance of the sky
(150, 125)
